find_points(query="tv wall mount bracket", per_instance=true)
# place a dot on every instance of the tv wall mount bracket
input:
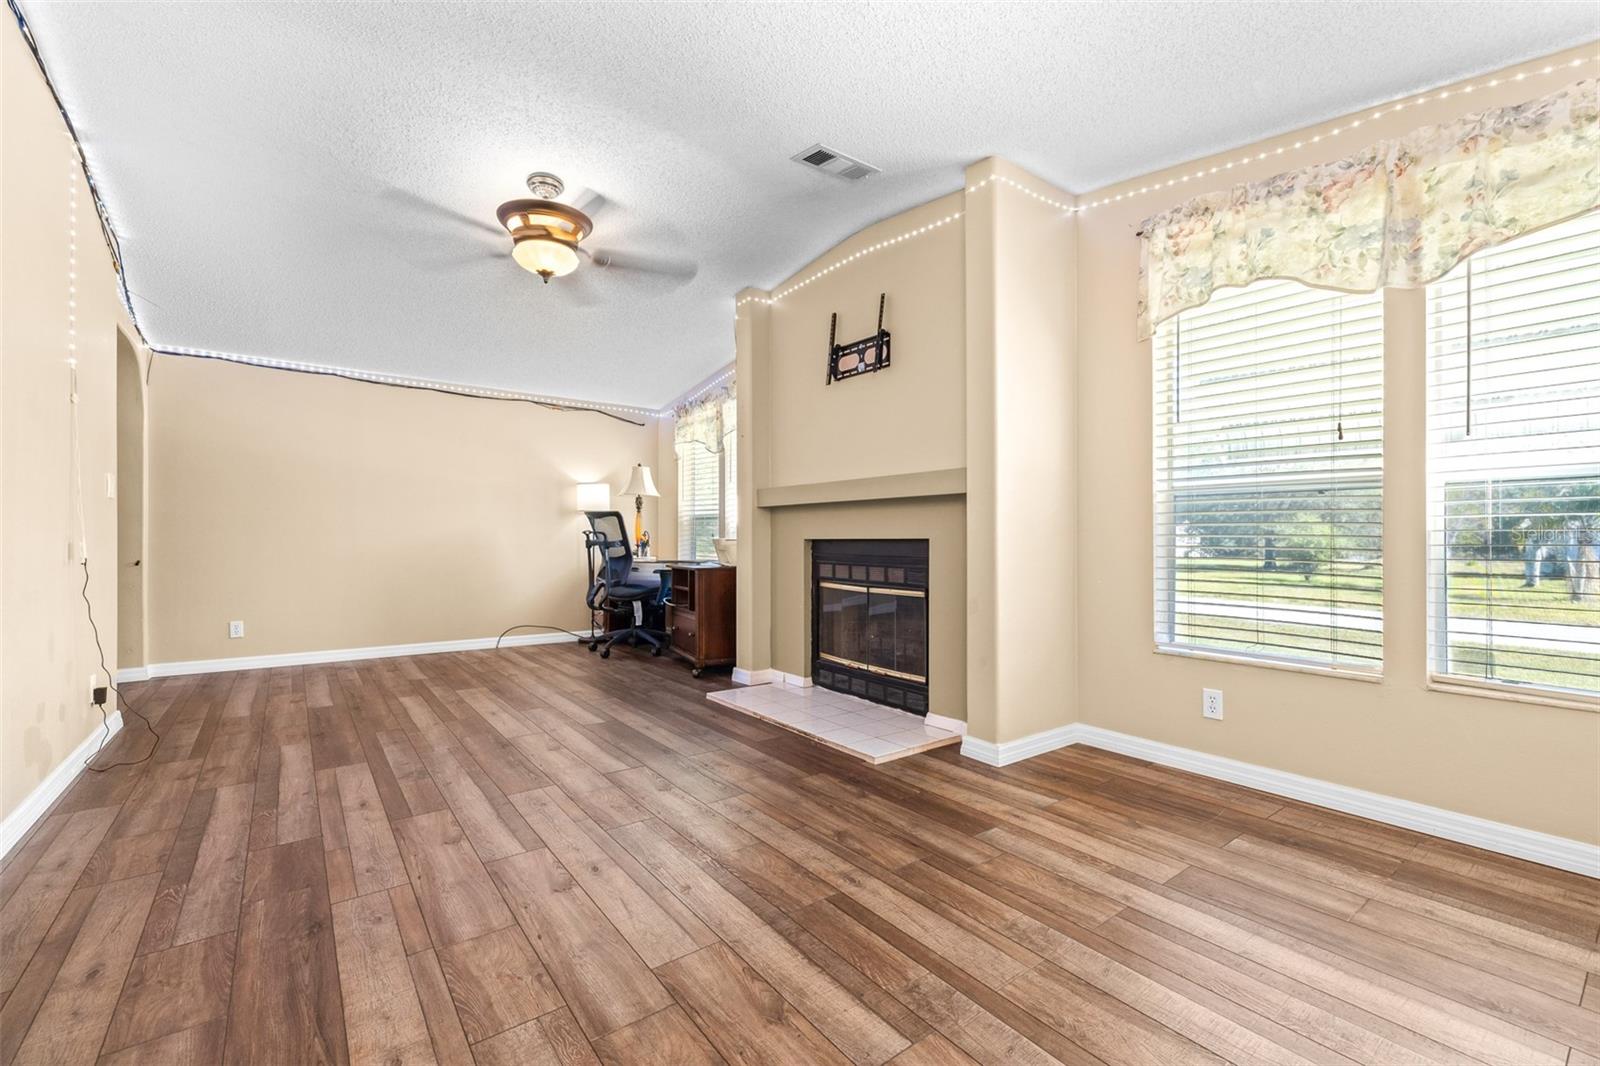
(865, 356)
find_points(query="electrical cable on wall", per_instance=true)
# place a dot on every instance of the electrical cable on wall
(333, 372)
(88, 605)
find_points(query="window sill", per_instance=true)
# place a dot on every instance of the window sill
(1370, 676)
(1461, 686)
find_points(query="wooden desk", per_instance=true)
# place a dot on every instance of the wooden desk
(700, 618)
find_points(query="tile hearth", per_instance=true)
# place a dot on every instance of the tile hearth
(869, 731)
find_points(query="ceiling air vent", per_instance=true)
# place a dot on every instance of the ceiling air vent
(820, 157)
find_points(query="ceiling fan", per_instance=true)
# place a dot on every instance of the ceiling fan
(547, 234)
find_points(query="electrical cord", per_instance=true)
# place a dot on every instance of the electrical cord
(105, 720)
(535, 625)
(335, 372)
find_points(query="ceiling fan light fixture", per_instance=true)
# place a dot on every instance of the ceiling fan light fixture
(544, 234)
(547, 256)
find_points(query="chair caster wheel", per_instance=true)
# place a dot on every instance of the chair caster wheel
(605, 653)
(655, 653)
(696, 672)
(593, 644)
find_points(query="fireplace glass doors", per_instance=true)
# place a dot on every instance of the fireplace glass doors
(870, 620)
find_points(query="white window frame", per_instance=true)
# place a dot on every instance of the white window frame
(1167, 639)
(1505, 460)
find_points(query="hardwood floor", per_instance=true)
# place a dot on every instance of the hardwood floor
(533, 856)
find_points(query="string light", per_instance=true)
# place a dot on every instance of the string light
(708, 387)
(1316, 138)
(412, 383)
(876, 246)
(1082, 206)
(72, 255)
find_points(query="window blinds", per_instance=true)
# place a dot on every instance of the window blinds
(730, 464)
(699, 488)
(708, 502)
(1269, 476)
(1514, 463)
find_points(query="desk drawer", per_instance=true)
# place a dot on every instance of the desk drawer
(685, 629)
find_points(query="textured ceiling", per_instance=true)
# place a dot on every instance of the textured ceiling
(270, 166)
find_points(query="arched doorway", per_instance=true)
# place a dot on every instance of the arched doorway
(130, 507)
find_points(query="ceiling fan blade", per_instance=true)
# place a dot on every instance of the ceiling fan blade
(661, 266)
(588, 201)
(470, 259)
(576, 288)
(422, 205)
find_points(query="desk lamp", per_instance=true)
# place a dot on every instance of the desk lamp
(640, 485)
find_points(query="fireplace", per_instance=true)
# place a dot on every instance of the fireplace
(869, 620)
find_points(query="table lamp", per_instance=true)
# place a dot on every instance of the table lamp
(640, 485)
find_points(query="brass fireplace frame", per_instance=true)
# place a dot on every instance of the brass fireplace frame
(884, 567)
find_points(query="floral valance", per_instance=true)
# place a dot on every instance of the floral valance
(707, 421)
(1401, 213)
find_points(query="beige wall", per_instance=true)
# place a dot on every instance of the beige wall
(795, 430)
(332, 514)
(1528, 765)
(1021, 454)
(908, 418)
(130, 505)
(46, 649)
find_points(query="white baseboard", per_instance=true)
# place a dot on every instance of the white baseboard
(755, 677)
(16, 824)
(1560, 852)
(793, 679)
(339, 655)
(132, 673)
(987, 751)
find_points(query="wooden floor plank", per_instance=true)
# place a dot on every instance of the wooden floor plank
(641, 920)
(374, 856)
(666, 1036)
(599, 975)
(383, 1016)
(286, 1003)
(28, 914)
(173, 990)
(485, 858)
(453, 889)
(71, 1023)
(497, 983)
(742, 1015)
(211, 901)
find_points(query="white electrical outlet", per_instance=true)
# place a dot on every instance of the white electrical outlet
(235, 630)
(1211, 702)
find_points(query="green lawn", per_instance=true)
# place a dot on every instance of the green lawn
(1468, 659)
(1476, 589)
(1571, 670)
(1312, 643)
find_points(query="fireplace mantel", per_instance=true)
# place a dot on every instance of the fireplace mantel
(952, 482)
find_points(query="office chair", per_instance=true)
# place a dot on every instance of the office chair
(611, 585)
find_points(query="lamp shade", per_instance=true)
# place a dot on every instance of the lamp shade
(594, 496)
(640, 483)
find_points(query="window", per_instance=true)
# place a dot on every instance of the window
(1514, 463)
(1269, 477)
(730, 465)
(708, 501)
